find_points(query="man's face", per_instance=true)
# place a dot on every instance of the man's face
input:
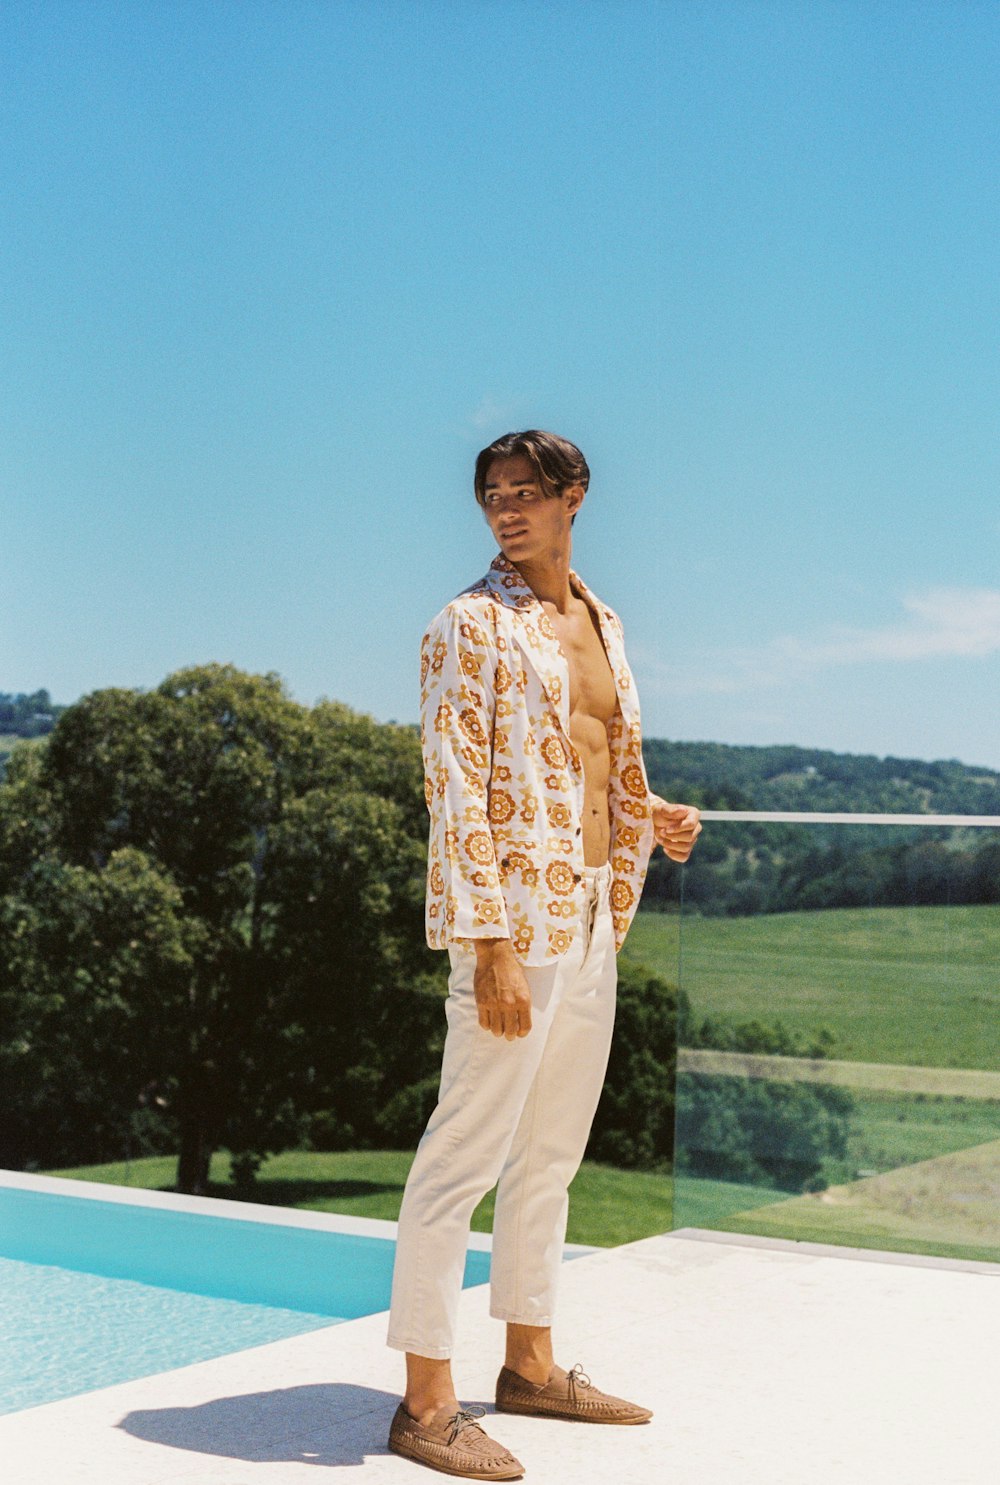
(527, 524)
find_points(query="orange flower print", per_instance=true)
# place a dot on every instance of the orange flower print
(442, 718)
(439, 656)
(472, 632)
(437, 880)
(523, 937)
(502, 774)
(559, 816)
(472, 727)
(623, 865)
(559, 940)
(471, 664)
(555, 783)
(622, 897)
(485, 910)
(553, 752)
(503, 680)
(428, 791)
(529, 876)
(483, 878)
(502, 807)
(479, 845)
(529, 808)
(633, 781)
(627, 837)
(425, 665)
(451, 908)
(451, 845)
(559, 877)
(564, 909)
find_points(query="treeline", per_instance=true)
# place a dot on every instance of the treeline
(25, 715)
(742, 868)
(791, 778)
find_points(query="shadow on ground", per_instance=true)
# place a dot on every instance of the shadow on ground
(327, 1423)
(298, 1192)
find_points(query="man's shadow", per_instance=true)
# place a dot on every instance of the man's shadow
(326, 1423)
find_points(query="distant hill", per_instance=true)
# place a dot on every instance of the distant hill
(782, 777)
(24, 716)
(27, 716)
(742, 868)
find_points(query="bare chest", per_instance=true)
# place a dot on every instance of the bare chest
(591, 682)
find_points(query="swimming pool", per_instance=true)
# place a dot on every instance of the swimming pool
(104, 1284)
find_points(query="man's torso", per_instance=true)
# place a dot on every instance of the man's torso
(593, 701)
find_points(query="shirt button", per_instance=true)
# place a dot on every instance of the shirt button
(505, 861)
(576, 876)
(578, 830)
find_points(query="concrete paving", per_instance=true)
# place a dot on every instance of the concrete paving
(767, 1363)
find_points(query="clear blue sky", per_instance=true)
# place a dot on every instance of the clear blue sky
(273, 272)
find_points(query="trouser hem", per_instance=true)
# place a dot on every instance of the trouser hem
(417, 1348)
(511, 1317)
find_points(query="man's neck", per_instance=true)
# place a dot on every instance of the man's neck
(549, 581)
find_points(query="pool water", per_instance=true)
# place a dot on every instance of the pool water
(64, 1332)
(94, 1291)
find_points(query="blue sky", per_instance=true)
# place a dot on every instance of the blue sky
(273, 272)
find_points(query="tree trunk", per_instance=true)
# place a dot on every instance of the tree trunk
(194, 1159)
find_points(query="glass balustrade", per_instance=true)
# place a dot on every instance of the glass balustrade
(838, 1064)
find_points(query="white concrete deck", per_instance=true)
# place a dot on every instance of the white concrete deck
(767, 1364)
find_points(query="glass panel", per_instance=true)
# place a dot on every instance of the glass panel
(838, 1050)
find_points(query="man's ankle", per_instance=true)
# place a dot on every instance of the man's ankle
(424, 1407)
(532, 1368)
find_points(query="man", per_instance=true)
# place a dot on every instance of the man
(542, 824)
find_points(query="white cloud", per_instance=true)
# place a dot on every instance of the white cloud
(941, 621)
(937, 623)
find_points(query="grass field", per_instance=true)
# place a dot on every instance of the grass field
(946, 1206)
(905, 985)
(607, 1206)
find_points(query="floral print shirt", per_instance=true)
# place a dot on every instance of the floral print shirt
(503, 781)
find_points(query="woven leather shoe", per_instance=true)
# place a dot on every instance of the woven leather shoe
(565, 1395)
(453, 1442)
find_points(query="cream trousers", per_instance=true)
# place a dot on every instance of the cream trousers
(515, 1114)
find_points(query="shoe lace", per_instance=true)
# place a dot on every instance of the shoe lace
(577, 1377)
(463, 1418)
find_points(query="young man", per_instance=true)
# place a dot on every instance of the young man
(542, 824)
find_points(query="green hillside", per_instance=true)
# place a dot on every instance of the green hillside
(914, 985)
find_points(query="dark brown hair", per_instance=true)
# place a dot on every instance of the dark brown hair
(557, 462)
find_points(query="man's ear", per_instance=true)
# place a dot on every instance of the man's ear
(573, 496)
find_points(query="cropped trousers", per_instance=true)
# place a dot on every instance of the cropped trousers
(515, 1114)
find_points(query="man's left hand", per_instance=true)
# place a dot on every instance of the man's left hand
(676, 827)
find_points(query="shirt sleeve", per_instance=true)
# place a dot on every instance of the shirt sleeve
(457, 708)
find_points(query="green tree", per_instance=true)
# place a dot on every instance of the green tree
(287, 849)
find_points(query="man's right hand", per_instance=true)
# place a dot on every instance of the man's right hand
(502, 994)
